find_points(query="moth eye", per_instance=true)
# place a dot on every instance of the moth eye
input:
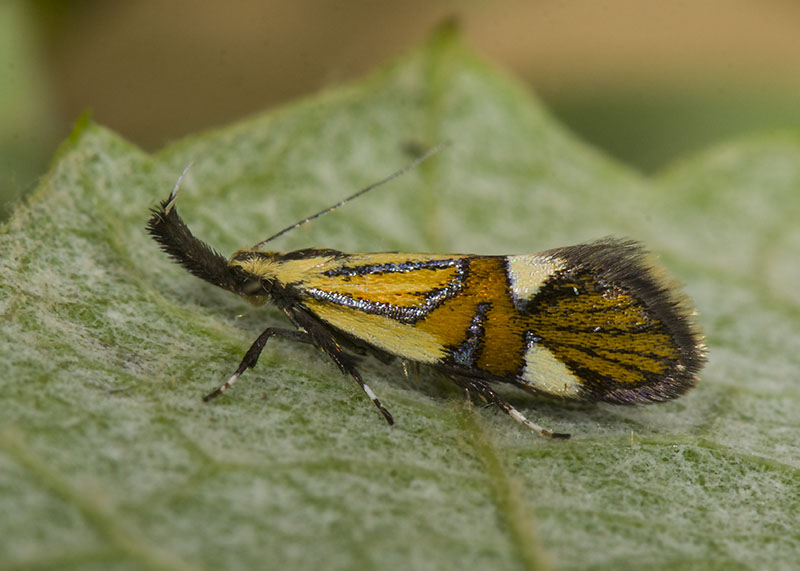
(252, 287)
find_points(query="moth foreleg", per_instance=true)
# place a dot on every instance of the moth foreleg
(251, 357)
(481, 388)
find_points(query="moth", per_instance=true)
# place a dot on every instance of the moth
(590, 322)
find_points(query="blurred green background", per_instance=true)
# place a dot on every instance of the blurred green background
(645, 80)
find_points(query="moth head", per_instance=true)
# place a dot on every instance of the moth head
(254, 274)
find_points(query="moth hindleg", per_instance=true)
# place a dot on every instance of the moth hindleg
(481, 388)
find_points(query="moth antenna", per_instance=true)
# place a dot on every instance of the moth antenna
(374, 185)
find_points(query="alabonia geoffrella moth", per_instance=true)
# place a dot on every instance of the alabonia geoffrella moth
(591, 322)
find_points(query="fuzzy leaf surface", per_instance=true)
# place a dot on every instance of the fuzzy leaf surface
(109, 459)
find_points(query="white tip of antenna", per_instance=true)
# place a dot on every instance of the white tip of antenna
(173, 196)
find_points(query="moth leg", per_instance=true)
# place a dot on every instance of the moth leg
(485, 391)
(373, 397)
(254, 352)
(347, 366)
(404, 364)
(328, 344)
(410, 370)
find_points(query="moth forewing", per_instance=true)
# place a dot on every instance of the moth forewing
(607, 326)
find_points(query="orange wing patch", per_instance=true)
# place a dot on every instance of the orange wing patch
(501, 346)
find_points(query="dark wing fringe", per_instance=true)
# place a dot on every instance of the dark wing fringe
(624, 262)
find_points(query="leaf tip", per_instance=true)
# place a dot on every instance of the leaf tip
(446, 33)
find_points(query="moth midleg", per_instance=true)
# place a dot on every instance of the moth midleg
(481, 388)
(373, 397)
(322, 337)
(254, 352)
(345, 363)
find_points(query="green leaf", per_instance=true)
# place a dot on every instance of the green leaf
(109, 459)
